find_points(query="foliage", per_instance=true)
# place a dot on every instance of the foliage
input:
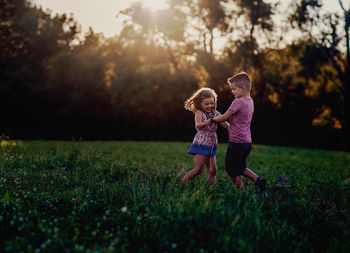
(306, 13)
(128, 197)
(29, 38)
(326, 42)
(56, 83)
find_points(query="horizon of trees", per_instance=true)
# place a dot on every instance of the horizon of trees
(55, 85)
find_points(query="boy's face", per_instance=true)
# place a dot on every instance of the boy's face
(237, 91)
(208, 104)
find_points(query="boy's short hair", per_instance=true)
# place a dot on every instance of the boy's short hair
(241, 79)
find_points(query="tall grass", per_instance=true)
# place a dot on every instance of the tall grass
(128, 197)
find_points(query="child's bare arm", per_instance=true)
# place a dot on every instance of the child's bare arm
(224, 117)
(198, 121)
(225, 124)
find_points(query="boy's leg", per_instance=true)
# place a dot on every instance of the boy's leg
(237, 180)
(260, 186)
(250, 174)
(212, 169)
(234, 162)
(260, 182)
(199, 161)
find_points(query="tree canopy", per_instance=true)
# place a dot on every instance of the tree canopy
(56, 83)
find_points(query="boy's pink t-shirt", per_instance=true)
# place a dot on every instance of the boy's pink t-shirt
(242, 112)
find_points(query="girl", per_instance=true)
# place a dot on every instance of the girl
(203, 104)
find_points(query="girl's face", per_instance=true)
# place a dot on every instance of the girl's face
(208, 104)
(237, 91)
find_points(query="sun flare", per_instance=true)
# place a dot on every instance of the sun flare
(155, 4)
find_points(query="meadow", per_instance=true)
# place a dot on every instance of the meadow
(128, 197)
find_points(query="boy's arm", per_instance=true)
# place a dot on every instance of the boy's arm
(225, 124)
(224, 117)
(198, 121)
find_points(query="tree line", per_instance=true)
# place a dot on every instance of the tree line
(57, 83)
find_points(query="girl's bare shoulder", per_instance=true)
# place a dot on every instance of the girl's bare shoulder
(199, 112)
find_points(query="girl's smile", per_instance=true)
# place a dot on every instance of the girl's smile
(208, 104)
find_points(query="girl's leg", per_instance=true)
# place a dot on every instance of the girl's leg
(199, 161)
(250, 174)
(237, 180)
(212, 169)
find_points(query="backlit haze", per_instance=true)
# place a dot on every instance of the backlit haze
(101, 14)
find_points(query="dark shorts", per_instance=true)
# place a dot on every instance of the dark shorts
(236, 155)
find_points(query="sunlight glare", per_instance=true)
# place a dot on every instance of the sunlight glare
(155, 4)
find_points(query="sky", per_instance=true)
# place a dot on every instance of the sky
(101, 14)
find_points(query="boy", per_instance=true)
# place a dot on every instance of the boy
(240, 143)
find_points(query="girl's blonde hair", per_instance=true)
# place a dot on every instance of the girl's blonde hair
(194, 102)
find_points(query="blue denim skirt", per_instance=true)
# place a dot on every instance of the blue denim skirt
(200, 149)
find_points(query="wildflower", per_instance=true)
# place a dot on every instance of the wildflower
(124, 209)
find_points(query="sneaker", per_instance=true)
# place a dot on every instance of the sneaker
(260, 185)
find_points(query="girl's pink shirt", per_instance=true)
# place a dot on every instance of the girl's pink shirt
(242, 112)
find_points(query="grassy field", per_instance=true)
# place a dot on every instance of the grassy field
(128, 197)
